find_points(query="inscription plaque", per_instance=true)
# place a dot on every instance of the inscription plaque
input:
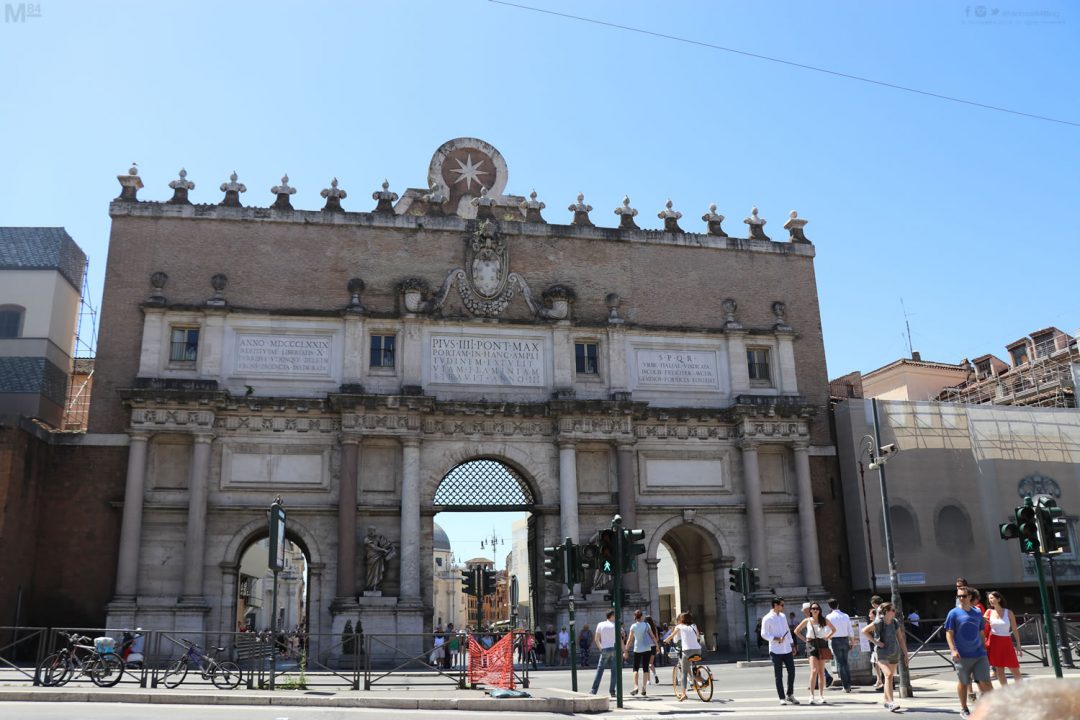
(484, 360)
(258, 353)
(677, 369)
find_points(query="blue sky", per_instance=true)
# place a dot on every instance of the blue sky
(967, 214)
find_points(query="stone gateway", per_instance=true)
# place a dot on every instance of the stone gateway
(350, 360)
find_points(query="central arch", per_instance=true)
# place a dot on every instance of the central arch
(485, 483)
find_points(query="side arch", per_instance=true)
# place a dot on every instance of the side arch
(712, 533)
(248, 533)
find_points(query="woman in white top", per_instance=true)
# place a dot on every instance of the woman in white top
(815, 632)
(999, 646)
(687, 637)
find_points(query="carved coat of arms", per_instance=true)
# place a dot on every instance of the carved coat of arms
(486, 283)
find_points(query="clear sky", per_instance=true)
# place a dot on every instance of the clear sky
(966, 213)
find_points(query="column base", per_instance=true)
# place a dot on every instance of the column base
(393, 628)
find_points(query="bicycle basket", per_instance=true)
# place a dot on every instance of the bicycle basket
(105, 645)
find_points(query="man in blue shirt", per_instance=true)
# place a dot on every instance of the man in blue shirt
(963, 631)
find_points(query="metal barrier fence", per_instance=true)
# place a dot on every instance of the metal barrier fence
(1030, 627)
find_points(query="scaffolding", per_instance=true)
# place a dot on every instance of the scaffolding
(1049, 381)
(81, 373)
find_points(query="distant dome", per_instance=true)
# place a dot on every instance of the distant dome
(440, 540)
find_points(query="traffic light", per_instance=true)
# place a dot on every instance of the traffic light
(1058, 538)
(553, 563)
(588, 556)
(1049, 513)
(735, 575)
(1028, 526)
(1009, 531)
(468, 582)
(488, 582)
(632, 548)
(753, 580)
(606, 551)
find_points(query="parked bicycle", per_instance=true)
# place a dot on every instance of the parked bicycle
(96, 659)
(225, 675)
(700, 676)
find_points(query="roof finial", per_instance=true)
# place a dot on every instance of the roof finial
(333, 196)
(232, 190)
(756, 226)
(670, 218)
(713, 220)
(180, 187)
(532, 208)
(385, 199)
(581, 212)
(129, 184)
(283, 191)
(626, 215)
(795, 226)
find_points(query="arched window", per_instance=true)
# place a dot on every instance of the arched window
(952, 528)
(11, 319)
(905, 529)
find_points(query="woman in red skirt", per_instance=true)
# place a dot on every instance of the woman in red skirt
(999, 644)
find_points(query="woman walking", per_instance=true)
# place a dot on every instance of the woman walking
(999, 645)
(686, 635)
(641, 641)
(887, 636)
(655, 650)
(815, 632)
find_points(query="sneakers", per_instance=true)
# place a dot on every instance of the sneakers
(847, 690)
(784, 702)
(791, 700)
(815, 700)
(891, 706)
(965, 713)
(634, 691)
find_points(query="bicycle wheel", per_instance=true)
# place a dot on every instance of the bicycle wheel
(176, 673)
(106, 670)
(227, 676)
(703, 682)
(55, 670)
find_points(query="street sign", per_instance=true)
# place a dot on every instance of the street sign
(276, 557)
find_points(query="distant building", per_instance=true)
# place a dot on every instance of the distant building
(41, 277)
(449, 600)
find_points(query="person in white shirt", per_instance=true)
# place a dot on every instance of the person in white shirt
(564, 646)
(842, 641)
(775, 629)
(689, 645)
(605, 641)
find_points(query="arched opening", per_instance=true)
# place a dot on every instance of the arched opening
(952, 529)
(687, 580)
(483, 520)
(905, 530)
(255, 608)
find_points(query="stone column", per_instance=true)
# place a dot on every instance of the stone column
(346, 555)
(755, 512)
(195, 546)
(409, 591)
(652, 565)
(624, 470)
(568, 491)
(811, 561)
(127, 568)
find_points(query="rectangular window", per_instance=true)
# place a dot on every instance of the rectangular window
(757, 363)
(1019, 355)
(382, 351)
(9, 323)
(1044, 345)
(185, 344)
(585, 358)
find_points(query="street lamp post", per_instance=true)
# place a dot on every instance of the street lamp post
(867, 450)
(894, 579)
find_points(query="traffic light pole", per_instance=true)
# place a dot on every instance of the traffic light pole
(1063, 627)
(894, 577)
(570, 571)
(616, 596)
(1048, 621)
(745, 571)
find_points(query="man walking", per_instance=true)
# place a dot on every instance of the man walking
(963, 632)
(605, 640)
(774, 628)
(842, 641)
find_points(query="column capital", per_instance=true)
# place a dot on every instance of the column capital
(625, 443)
(800, 446)
(566, 442)
(652, 563)
(410, 441)
(203, 437)
(349, 439)
(748, 445)
(142, 435)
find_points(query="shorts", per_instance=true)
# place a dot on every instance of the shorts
(975, 667)
(888, 659)
(641, 660)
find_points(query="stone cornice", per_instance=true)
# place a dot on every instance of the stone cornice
(450, 223)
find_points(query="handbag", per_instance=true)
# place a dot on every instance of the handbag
(824, 652)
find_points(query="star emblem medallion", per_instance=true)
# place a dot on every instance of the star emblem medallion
(468, 172)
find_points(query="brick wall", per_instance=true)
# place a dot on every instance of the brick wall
(59, 529)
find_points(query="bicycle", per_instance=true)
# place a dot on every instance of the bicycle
(225, 675)
(103, 667)
(700, 677)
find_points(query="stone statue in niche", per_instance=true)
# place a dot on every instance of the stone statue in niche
(377, 552)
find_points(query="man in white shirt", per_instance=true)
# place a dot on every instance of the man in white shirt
(842, 641)
(605, 640)
(774, 628)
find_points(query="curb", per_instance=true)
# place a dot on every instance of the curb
(566, 702)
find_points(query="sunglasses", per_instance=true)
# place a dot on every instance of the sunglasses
(961, 597)
(815, 609)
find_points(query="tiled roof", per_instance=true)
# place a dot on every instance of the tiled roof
(42, 248)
